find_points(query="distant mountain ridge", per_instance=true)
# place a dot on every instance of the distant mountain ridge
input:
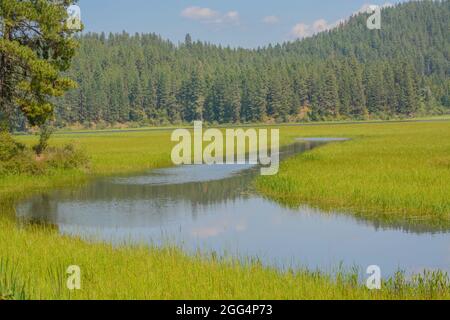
(349, 72)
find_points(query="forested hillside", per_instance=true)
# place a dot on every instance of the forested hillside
(349, 72)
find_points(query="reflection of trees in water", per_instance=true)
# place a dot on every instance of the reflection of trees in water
(160, 202)
(197, 193)
(40, 211)
(405, 225)
(152, 203)
(202, 193)
(7, 208)
(381, 222)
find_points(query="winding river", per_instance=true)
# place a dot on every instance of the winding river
(214, 209)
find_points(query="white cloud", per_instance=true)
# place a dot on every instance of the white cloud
(320, 25)
(231, 17)
(197, 13)
(271, 20)
(300, 30)
(208, 15)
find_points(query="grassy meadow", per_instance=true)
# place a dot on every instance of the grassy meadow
(391, 171)
(34, 260)
(109, 153)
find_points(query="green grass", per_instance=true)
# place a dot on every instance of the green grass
(113, 153)
(110, 154)
(37, 260)
(393, 171)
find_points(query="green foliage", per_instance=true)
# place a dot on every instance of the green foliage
(35, 47)
(67, 157)
(408, 160)
(349, 72)
(10, 287)
(45, 134)
(16, 159)
(9, 148)
(388, 172)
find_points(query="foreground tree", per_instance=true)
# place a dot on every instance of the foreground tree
(35, 48)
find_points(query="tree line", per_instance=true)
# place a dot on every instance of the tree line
(349, 72)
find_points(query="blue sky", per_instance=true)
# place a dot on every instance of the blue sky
(244, 23)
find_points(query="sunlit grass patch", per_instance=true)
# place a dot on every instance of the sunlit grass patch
(35, 261)
(397, 171)
(386, 171)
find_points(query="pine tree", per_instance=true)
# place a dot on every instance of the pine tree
(233, 103)
(329, 96)
(194, 98)
(358, 100)
(35, 47)
(346, 73)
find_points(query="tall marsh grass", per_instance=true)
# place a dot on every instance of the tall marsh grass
(393, 171)
(387, 171)
(35, 260)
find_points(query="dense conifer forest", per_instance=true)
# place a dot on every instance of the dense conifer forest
(349, 72)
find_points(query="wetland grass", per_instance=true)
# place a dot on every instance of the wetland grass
(396, 170)
(387, 171)
(35, 259)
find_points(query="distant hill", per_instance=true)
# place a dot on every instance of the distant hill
(350, 72)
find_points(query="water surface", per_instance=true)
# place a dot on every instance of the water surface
(213, 208)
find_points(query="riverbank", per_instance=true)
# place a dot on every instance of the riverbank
(386, 172)
(109, 153)
(33, 260)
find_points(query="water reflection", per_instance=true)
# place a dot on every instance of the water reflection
(214, 208)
